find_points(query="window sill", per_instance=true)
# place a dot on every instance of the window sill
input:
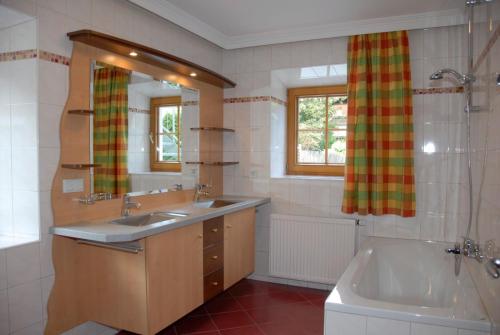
(7, 241)
(304, 177)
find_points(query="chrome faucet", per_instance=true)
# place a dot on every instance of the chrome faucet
(470, 249)
(128, 204)
(201, 190)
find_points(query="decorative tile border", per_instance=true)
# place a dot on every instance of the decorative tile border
(54, 58)
(487, 48)
(190, 103)
(34, 53)
(18, 55)
(438, 90)
(416, 91)
(262, 98)
(138, 110)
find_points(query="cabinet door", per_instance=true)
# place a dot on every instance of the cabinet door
(175, 274)
(239, 246)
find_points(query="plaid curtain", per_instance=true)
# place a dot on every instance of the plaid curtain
(110, 130)
(379, 176)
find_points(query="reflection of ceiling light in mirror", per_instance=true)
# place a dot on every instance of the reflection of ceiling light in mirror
(193, 74)
(323, 71)
(133, 53)
(429, 148)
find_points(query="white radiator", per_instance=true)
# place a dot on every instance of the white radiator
(309, 248)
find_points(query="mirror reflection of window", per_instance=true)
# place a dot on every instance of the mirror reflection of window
(166, 153)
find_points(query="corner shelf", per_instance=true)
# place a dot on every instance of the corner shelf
(213, 163)
(78, 166)
(213, 129)
(80, 112)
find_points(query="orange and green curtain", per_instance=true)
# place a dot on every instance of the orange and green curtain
(110, 129)
(379, 176)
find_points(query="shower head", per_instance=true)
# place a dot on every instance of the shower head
(462, 78)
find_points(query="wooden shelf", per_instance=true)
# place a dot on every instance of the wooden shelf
(213, 129)
(80, 112)
(150, 56)
(213, 163)
(79, 166)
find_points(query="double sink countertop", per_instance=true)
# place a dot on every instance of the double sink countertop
(107, 231)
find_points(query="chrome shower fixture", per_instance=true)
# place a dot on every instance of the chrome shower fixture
(462, 78)
(477, 2)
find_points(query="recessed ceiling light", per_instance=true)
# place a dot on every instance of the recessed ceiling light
(193, 74)
(133, 53)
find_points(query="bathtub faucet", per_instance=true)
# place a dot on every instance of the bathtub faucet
(472, 249)
(455, 250)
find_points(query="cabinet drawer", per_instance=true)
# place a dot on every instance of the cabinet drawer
(213, 258)
(213, 284)
(213, 231)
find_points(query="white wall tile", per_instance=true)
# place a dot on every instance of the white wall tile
(23, 264)
(25, 169)
(24, 81)
(25, 305)
(4, 312)
(24, 129)
(26, 213)
(23, 36)
(53, 83)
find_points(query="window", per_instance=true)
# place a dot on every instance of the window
(166, 143)
(317, 123)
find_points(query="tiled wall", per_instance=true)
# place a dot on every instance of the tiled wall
(486, 152)
(27, 270)
(19, 215)
(138, 135)
(259, 137)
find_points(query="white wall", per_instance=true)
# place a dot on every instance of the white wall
(19, 214)
(258, 141)
(28, 270)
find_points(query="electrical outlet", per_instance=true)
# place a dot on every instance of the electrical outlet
(73, 185)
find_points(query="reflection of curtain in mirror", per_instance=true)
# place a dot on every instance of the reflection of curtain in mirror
(110, 130)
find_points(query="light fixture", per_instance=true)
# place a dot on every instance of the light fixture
(133, 53)
(193, 74)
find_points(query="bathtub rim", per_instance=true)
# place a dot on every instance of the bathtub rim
(343, 299)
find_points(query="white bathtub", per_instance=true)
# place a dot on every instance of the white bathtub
(407, 285)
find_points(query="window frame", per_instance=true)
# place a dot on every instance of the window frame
(154, 163)
(292, 166)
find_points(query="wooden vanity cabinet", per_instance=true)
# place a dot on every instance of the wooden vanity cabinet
(239, 246)
(147, 291)
(174, 262)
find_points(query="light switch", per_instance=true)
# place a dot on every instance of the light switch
(73, 185)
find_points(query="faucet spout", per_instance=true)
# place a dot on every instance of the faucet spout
(128, 204)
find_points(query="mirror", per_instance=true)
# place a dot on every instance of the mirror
(140, 132)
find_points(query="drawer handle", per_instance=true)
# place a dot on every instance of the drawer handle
(215, 230)
(200, 236)
(215, 283)
(215, 257)
(229, 226)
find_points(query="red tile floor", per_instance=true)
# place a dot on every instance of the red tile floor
(254, 307)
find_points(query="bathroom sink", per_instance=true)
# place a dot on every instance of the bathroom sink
(213, 203)
(143, 220)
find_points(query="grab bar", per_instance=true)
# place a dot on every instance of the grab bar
(133, 248)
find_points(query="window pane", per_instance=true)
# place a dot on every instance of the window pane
(311, 147)
(311, 112)
(336, 146)
(168, 146)
(337, 112)
(167, 119)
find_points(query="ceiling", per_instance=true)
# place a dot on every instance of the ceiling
(241, 23)
(9, 17)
